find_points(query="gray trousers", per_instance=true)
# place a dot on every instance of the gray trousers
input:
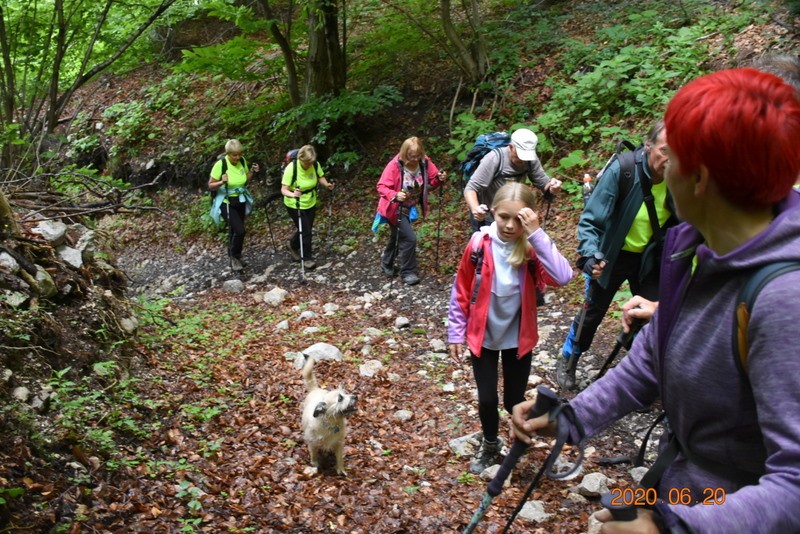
(406, 250)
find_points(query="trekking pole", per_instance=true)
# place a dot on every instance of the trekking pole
(396, 245)
(439, 224)
(623, 340)
(545, 401)
(566, 418)
(620, 512)
(269, 226)
(572, 363)
(549, 197)
(330, 209)
(300, 231)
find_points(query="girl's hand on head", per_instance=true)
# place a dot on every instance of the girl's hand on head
(529, 220)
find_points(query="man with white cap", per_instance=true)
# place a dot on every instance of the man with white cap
(513, 162)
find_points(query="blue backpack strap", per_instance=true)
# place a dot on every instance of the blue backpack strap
(744, 306)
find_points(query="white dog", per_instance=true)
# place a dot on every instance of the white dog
(324, 420)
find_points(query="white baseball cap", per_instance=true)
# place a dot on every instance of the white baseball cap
(524, 142)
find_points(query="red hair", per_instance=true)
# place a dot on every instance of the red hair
(744, 126)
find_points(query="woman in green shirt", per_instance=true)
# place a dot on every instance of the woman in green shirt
(299, 190)
(233, 201)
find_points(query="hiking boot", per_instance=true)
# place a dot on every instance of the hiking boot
(410, 279)
(309, 264)
(388, 271)
(487, 456)
(564, 375)
(295, 254)
(236, 265)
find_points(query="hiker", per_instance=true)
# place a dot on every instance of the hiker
(514, 161)
(617, 223)
(734, 433)
(299, 190)
(403, 187)
(493, 305)
(233, 202)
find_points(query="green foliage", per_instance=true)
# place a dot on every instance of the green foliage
(467, 478)
(130, 122)
(88, 409)
(196, 219)
(18, 327)
(629, 77)
(342, 110)
(10, 493)
(378, 34)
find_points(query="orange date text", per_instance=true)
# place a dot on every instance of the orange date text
(649, 496)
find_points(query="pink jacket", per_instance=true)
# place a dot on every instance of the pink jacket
(468, 321)
(391, 182)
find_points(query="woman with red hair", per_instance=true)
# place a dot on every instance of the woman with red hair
(731, 462)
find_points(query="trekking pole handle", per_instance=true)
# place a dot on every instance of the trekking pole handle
(620, 512)
(546, 399)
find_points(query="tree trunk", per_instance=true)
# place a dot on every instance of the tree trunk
(326, 71)
(471, 58)
(8, 224)
(283, 40)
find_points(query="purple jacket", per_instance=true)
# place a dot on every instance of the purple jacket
(685, 358)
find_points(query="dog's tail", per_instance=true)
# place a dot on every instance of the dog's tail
(308, 373)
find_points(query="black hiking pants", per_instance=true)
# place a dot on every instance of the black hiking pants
(306, 218)
(626, 267)
(234, 213)
(515, 382)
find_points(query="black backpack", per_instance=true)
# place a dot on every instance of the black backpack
(625, 153)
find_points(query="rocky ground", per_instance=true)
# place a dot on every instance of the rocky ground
(403, 476)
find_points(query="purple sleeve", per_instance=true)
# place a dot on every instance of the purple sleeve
(556, 265)
(631, 384)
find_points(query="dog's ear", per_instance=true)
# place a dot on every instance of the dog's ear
(320, 409)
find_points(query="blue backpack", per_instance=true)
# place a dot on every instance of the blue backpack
(484, 144)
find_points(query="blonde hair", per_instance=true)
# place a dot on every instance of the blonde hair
(233, 146)
(307, 154)
(410, 144)
(515, 191)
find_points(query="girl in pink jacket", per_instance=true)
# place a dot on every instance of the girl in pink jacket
(493, 305)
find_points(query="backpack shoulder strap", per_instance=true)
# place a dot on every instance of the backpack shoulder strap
(650, 204)
(627, 166)
(476, 242)
(744, 305)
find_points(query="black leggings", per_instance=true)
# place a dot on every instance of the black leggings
(515, 382)
(234, 214)
(306, 217)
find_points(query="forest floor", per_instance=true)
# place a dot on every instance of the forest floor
(246, 468)
(225, 452)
